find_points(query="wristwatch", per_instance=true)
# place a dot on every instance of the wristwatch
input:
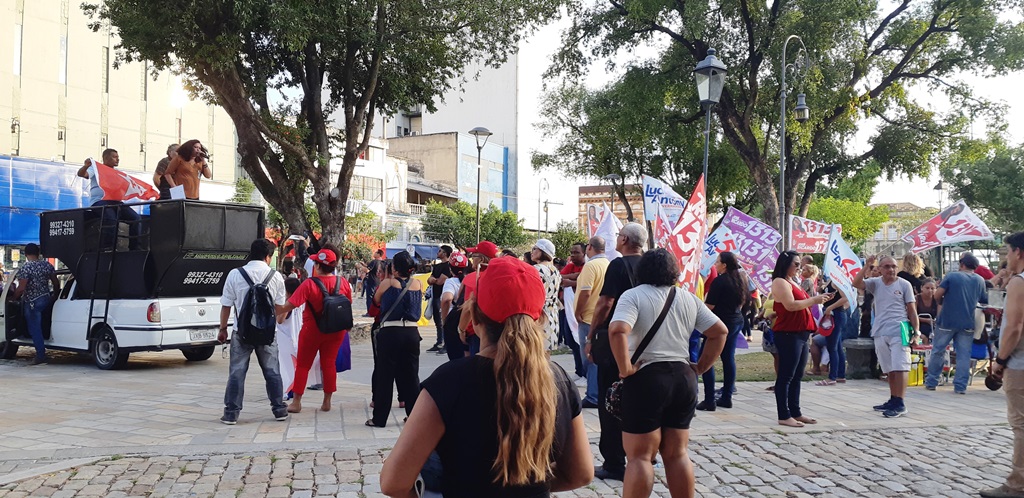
(1002, 362)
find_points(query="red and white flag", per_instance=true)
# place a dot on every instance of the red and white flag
(662, 228)
(120, 186)
(688, 237)
(954, 224)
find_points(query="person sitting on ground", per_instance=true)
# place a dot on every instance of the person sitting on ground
(185, 169)
(521, 432)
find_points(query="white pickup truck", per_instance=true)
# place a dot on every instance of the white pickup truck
(159, 291)
(186, 323)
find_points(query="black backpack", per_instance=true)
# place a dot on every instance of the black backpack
(336, 314)
(257, 320)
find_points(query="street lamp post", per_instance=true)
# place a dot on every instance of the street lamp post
(611, 179)
(802, 113)
(478, 132)
(542, 187)
(710, 75)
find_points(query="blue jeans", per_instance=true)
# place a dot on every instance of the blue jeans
(834, 345)
(588, 367)
(34, 311)
(793, 353)
(111, 216)
(728, 366)
(237, 368)
(962, 340)
(566, 334)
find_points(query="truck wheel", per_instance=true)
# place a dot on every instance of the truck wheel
(199, 354)
(8, 350)
(105, 352)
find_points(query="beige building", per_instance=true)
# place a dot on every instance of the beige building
(598, 195)
(63, 100)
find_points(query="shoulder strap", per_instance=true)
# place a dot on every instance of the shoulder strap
(629, 274)
(654, 328)
(318, 283)
(384, 318)
(270, 275)
(337, 285)
(245, 276)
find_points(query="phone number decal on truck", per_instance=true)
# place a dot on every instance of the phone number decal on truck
(203, 277)
(62, 227)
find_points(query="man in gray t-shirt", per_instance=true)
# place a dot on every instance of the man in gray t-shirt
(894, 304)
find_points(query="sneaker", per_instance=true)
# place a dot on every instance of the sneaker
(894, 412)
(282, 417)
(1003, 491)
(435, 348)
(226, 420)
(442, 350)
(884, 406)
(589, 404)
(706, 406)
(40, 361)
(960, 392)
(930, 388)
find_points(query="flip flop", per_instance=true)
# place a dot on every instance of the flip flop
(825, 382)
(794, 423)
(369, 423)
(805, 419)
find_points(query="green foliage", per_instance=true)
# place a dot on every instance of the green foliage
(456, 224)
(244, 188)
(859, 220)
(354, 59)
(565, 235)
(992, 186)
(884, 61)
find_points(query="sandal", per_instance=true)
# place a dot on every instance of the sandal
(825, 382)
(369, 423)
(791, 422)
(805, 419)
(770, 388)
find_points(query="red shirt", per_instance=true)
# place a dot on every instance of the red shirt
(571, 267)
(309, 294)
(985, 272)
(469, 288)
(793, 321)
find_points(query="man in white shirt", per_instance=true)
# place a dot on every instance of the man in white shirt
(235, 290)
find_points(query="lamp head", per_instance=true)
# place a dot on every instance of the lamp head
(710, 76)
(803, 113)
(479, 132)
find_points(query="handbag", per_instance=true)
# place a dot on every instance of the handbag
(613, 399)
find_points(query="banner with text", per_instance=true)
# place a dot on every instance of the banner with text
(658, 193)
(842, 265)
(809, 236)
(662, 229)
(685, 241)
(954, 224)
(751, 240)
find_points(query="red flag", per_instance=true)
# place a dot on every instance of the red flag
(954, 224)
(688, 237)
(120, 186)
(662, 228)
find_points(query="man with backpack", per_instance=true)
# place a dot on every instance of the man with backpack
(257, 293)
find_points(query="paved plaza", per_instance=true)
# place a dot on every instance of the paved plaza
(68, 429)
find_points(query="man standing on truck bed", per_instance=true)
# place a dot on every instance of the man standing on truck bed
(34, 292)
(235, 290)
(100, 197)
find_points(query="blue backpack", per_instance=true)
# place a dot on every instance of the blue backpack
(257, 320)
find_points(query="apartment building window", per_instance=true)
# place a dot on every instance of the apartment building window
(366, 188)
(17, 50)
(62, 70)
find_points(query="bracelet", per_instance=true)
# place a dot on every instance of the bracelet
(1002, 362)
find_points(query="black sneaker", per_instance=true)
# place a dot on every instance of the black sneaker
(316, 387)
(229, 420)
(884, 406)
(895, 411)
(706, 406)
(435, 348)
(40, 361)
(281, 417)
(442, 350)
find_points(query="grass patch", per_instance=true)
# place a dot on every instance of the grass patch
(116, 458)
(757, 367)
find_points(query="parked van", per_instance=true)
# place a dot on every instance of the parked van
(164, 294)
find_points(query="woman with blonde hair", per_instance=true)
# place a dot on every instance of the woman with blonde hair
(506, 421)
(911, 270)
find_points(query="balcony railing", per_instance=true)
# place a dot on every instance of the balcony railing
(417, 209)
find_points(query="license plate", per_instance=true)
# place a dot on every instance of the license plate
(195, 335)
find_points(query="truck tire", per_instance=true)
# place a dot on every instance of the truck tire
(198, 354)
(105, 352)
(8, 350)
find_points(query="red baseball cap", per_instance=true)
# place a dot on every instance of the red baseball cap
(486, 248)
(458, 260)
(325, 256)
(510, 287)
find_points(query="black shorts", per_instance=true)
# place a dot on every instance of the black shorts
(660, 395)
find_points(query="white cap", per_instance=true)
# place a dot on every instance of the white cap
(546, 246)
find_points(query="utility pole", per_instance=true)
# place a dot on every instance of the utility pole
(546, 202)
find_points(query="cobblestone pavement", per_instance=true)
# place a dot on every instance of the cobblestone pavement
(941, 462)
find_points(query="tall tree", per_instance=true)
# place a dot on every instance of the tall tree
(991, 184)
(865, 55)
(859, 221)
(456, 224)
(354, 59)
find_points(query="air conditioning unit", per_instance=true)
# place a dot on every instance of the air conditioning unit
(414, 133)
